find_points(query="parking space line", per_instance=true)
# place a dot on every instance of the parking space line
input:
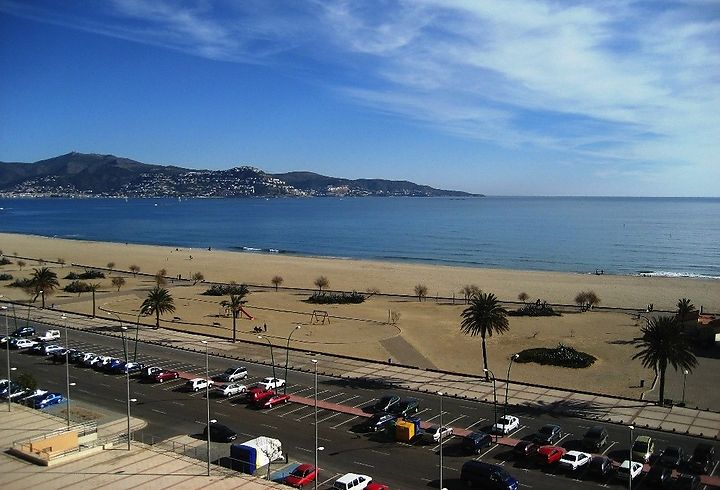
(367, 402)
(475, 423)
(563, 437)
(449, 424)
(608, 448)
(342, 402)
(444, 441)
(345, 422)
(436, 416)
(517, 430)
(303, 407)
(332, 396)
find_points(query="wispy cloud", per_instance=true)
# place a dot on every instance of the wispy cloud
(611, 83)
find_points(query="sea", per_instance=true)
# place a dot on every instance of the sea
(609, 235)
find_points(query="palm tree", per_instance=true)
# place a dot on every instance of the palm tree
(158, 301)
(684, 307)
(662, 343)
(235, 305)
(93, 287)
(276, 281)
(43, 281)
(484, 317)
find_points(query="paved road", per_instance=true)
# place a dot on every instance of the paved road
(172, 412)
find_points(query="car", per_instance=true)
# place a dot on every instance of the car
(150, 371)
(525, 449)
(115, 365)
(406, 407)
(642, 449)
(23, 332)
(373, 485)
(352, 481)
(23, 344)
(257, 392)
(600, 466)
(131, 367)
(272, 399)
(629, 470)
(672, 457)
(686, 482)
(547, 455)
(485, 475)
(379, 421)
(233, 374)
(51, 349)
(506, 424)
(219, 432)
(62, 355)
(85, 356)
(231, 389)
(11, 388)
(703, 458)
(47, 400)
(386, 403)
(302, 475)
(271, 383)
(102, 362)
(433, 433)
(197, 384)
(49, 335)
(37, 348)
(75, 356)
(28, 398)
(595, 438)
(548, 434)
(475, 442)
(659, 476)
(574, 460)
(162, 376)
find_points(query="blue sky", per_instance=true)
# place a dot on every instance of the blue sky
(509, 97)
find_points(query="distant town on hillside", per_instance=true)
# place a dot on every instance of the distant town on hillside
(93, 175)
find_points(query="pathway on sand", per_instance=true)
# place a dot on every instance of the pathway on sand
(404, 353)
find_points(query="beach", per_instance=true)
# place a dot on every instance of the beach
(427, 332)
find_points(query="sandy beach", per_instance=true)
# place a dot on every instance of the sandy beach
(427, 332)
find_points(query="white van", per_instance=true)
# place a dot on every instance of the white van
(352, 481)
(198, 384)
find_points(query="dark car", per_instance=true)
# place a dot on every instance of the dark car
(672, 457)
(475, 442)
(525, 449)
(547, 435)
(486, 475)
(406, 407)
(379, 421)
(659, 476)
(686, 482)
(23, 332)
(600, 466)
(37, 349)
(595, 438)
(386, 403)
(703, 458)
(75, 356)
(219, 433)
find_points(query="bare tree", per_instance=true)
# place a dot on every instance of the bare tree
(61, 261)
(160, 278)
(322, 282)
(421, 291)
(21, 264)
(118, 282)
(523, 296)
(197, 277)
(371, 291)
(276, 281)
(587, 299)
(394, 317)
(134, 269)
(110, 265)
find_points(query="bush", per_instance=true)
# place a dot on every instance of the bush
(223, 289)
(337, 298)
(533, 309)
(85, 275)
(77, 287)
(5, 261)
(6, 277)
(560, 356)
(23, 283)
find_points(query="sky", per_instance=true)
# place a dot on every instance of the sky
(511, 97)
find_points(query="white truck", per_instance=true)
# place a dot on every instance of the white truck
(49, 335)
(254, 454)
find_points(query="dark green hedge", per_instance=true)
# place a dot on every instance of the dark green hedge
(85, 275)
(77, 287)
(534, 309)
(21, 283)
(5, 261)
(223, 289)
(6, 277)
(336, 298)
(559, 356)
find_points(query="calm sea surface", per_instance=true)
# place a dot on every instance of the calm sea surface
(660, 236)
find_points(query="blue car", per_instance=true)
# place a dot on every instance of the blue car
(116, 366)
(47, 400)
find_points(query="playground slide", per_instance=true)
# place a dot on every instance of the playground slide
(242, 311)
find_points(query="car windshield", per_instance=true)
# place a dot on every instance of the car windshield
(570, 457)
(547, 429)
(594, 433)
(641, 446)
(504, 421)
(672, 451)
(230, 371)
(298, 472)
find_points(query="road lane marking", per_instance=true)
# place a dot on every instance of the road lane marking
(158, 411)
(363, 464)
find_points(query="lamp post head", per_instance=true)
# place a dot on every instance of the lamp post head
(314, 361)
(3, 307)
(687, 372)
(515, 356)
(72, 384)
(133, 400)
(440, 393)
(212, 421)
(13, 369)
(260, 337)
(298, 327)
(321, 448)
(203, 341)
(631, 427)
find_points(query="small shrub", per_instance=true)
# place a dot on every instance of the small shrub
(85, 276)
(23, 283)
(561, 355)
(6, 277)
(337, 298)
(223, 289)
(534, 309)
(77, 287)
(5, 261)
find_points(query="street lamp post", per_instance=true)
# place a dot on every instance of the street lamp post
(631, 427)
(7, 344)
(287, 356)
(315, 362)
(127, 383)
(440, 393)
(487, 371)
(207, 401)
(685, 373)
(137, 332)
(507, 382)
(67, 368)
(272, 358)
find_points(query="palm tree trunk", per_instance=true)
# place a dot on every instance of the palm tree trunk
(234, 331)
(43, 299)
(484, 354)
(93, 304)
(157, 319)
(661, 401)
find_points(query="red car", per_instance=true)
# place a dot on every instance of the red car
(272, 399)
(376, 486)
(165, 375)
(301, 476)
(257, 393)
(549, 454)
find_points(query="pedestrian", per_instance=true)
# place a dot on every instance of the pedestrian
(265, 327)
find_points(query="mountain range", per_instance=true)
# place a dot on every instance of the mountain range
(93, 175)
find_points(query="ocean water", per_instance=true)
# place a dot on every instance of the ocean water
(655, 236)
